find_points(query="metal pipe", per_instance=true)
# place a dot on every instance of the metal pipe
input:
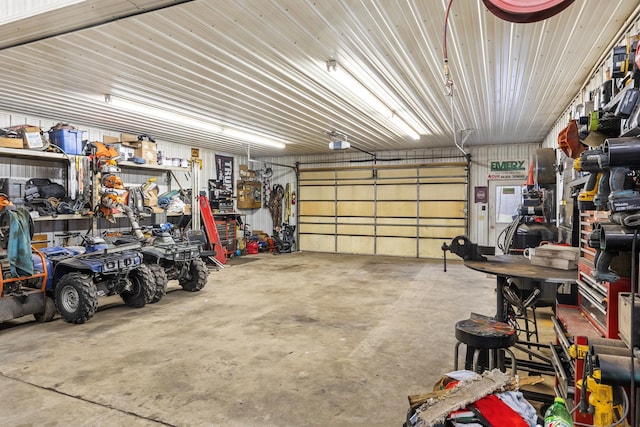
(623, 151)
(616, 370)
(616, 237)
(610, 350)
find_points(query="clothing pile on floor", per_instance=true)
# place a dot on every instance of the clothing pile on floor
(468, 399)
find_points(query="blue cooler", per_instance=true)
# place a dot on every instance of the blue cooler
(70, 140)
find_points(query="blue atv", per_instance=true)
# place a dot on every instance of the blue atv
(79, 275)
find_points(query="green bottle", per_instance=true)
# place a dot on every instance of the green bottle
(557, 415)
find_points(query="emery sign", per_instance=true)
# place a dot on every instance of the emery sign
(508, 169)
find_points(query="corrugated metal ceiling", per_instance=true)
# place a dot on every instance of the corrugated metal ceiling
(260, 65)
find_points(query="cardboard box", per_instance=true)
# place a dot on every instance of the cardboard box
(127, 137)
(246, 173)
(624, 318)
(11, 142)
(151, 197)
(32, 138)
(110, 139)
(148, 151)
(39, 241)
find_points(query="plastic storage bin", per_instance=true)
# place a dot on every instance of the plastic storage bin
(70, 140)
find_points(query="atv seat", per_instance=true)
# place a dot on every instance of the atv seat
(200, 238)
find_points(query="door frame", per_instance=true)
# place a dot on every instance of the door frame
(496, 228)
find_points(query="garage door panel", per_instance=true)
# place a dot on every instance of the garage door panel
(356, 208)
(452, 222)
(356, 245)
(397, 192)
(354, 174)
(438, 180)
(317, 208)
(396, 246)
(443, 192)
(393, 230)
(370, 182)
(397, 221)
(442, 209)
(317, 243)
(431, 248)
(444, 171)
(396, 209)
(398, 173)
(313, 175)
(317, 228)
(357, 220)
(441, 232)
(356, 192)
(317, 219)
(317, 192)
(352, 229)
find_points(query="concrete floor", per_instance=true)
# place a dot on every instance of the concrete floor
(298, 339)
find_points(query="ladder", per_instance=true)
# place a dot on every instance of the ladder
(212, 232)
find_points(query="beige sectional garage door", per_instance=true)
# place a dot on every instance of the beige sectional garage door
(407, 210)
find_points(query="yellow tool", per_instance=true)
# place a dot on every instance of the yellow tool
(578, 351)
(601, 400)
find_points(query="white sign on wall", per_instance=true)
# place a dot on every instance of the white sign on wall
(508, 169)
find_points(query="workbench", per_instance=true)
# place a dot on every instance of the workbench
(517, 266)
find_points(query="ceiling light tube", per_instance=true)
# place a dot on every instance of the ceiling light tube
(251, 137)
(192, 120)
(353, 85)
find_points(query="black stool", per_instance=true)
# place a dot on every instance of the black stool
(488, 335)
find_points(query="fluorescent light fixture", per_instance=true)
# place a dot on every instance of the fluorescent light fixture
(252, 137)
(355, 87)
(193, 120)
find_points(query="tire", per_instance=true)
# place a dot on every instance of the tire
(197, 277)
(76, 297)
(160, 281)
(48, 313)
(142, 287)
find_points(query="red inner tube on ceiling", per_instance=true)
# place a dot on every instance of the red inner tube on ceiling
(525, 11)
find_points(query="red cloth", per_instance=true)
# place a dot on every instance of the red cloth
(498, 413)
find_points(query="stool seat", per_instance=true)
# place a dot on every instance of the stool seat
(483, 333)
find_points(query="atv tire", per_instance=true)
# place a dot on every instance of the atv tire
(197, 276)
(160, 282)
(48, 313)
(142, 287)
(76, 297)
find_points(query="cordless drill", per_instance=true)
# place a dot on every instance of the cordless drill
(595, 194)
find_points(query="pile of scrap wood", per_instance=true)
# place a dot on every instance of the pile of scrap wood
(433, 408)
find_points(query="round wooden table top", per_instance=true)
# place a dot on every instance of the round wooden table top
(519, 266)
